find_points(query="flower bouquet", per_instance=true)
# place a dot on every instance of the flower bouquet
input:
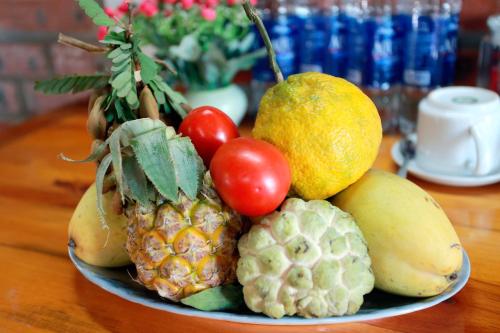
(207, 42)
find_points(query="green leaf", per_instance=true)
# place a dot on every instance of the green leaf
(126, 46)
(132, 99)
(187, 168)
(99, 182)
(91, 158)
(149, 69)
(159, 95)
(115, 38)
(151, 150)
(122, 56)
(226, 297)
(125, 90)
(115, 53)
(96, 13)
(176, 99)
(243, 62)
(116, 158)
(115, 69)
(128, 113)
(136, 181)
(122, 79)
(72, 84)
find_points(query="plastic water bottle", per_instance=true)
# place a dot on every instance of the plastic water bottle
(448, 35)
(373, 54)
(282, 26)
(335, 24)
(421, 73)
(381, 71)
(489, 56)
(356, 12)
(313, 39)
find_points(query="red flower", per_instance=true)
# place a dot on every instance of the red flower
(212, 3)
(148, 8)
(109, 11)
(208, 13)
(102, 32)
(187, 4)
(123, 7)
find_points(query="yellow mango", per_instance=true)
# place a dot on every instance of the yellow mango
(90, 241)
(414, 249)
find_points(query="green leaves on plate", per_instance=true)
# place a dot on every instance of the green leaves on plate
(227, 297)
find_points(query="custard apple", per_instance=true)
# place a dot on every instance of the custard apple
(308, 259)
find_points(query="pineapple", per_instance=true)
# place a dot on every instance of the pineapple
(181, 237)
(182, 248)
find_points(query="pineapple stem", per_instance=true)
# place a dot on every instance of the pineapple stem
(254, 17)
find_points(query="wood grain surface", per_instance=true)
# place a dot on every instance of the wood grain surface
(41, 291)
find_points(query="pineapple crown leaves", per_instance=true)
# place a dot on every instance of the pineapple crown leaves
(148, 156)
(131, 69)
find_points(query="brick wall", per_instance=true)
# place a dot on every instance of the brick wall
(28, 52)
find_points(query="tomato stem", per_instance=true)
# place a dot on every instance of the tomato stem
(254, 17)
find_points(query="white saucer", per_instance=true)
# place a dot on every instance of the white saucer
(439, 178)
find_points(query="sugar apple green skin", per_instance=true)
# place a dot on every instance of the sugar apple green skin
(308, 259)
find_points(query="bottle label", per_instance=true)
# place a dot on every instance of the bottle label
(381, 39)
(421, 66)
(417, 78)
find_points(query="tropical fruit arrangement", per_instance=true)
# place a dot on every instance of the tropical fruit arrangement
(289, 222)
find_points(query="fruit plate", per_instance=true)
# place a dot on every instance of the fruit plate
(377, 304)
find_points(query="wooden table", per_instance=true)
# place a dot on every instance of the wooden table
(41, 291)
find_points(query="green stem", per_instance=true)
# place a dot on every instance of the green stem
(254, 17)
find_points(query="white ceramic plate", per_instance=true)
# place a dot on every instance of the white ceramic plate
(377, 304)
(439, 178)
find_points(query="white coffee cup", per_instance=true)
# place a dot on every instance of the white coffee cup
(458, 131)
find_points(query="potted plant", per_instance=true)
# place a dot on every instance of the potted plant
(207, 42)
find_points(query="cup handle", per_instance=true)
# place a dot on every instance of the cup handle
(481, 144)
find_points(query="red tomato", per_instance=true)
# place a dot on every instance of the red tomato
(252, 176)
(208, 128)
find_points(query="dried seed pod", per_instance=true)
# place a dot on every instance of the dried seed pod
(116, 203)
(112, 128)
(96, 122)
(149, 106)
(93, 97)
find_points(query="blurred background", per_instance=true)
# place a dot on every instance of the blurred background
(29, 51)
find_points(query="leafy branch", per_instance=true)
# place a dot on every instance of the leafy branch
(96, 13)
(72, 84)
